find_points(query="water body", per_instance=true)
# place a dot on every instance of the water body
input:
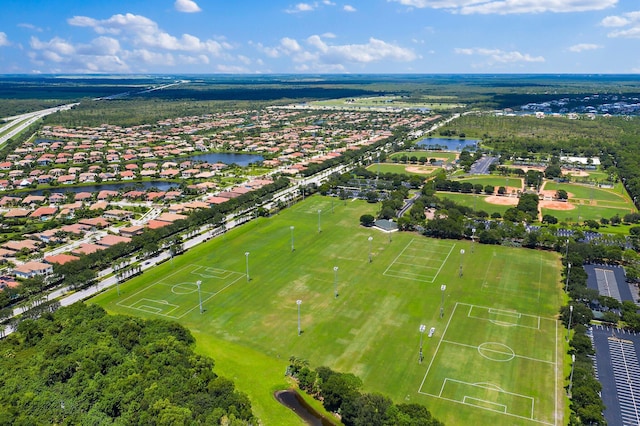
(449, 144)
(291, 399)
(137, 186)
(227, 158)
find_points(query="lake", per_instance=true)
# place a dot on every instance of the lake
(446, 144)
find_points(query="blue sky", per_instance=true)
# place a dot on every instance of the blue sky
(323, 36)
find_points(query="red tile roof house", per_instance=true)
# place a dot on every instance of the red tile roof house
(112, 240)
(96, 222)
(87, 249)
(31, 269)
(131, 231)
(29, 245)
(44, 213)
(117, 214)
(17, 213)
(60, 259)
(106, 194)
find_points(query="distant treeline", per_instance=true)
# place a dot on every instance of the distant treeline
(257, 93)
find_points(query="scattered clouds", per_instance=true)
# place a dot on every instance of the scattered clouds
(497, 56)
(577, 48)
(30, 27)
(187, 6)
(504, 7)
(128, 43)
(143, 32)
(629, 24)
(302, 7)
(310, 7)
(4, 40)
(349, 8)
(317, 54)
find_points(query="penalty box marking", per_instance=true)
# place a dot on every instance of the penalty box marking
(408, 275)
(503, 317)
(502, 395)
(154, 306)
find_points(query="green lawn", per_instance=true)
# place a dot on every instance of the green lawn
(585, 192)
(371, 328)
(474, 201)
(407, 169)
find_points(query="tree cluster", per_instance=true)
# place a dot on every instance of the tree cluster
(340, 392)
(82, 366)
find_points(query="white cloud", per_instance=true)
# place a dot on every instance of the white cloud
(349, 8)
(4, 40)
(577, 48)
(319, 53)
(143, 32)
(290, 44)
(302, 7)
(629, 20)
(504, 7)
(499, 56)
(232, 69)
(30, 27)
(187, 6)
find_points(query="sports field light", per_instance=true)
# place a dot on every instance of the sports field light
(461, 257)
(198, 283)
(319, 227)
(573, 363)
(566, 284)
(422, 329)
(335, 281)
(292, 228)
(473, 238)
(246, 255)
(370, 239)
(569, 327)
(299, 302)
(442, 288)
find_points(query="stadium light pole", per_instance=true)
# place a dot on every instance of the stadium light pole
(422, 329)
(292, 246)
(569, 327)
(299, 302)
(461, 257)
(335, 281)
(573, 363)
(473, 238)
(566, 284)
(198, 283)
(319, 228)
(246, 255)
(370, 239)
(442, 288)
(566, 252)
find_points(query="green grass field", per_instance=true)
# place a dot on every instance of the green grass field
(406, 169)
(474, 201)
(493, 359)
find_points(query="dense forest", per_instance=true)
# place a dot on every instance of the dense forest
(82, 366)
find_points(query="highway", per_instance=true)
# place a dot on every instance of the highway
(25, 120)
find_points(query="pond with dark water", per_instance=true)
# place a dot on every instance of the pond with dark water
(446, 144)
(291, 399)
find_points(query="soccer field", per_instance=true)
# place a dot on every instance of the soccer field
(493, 358)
